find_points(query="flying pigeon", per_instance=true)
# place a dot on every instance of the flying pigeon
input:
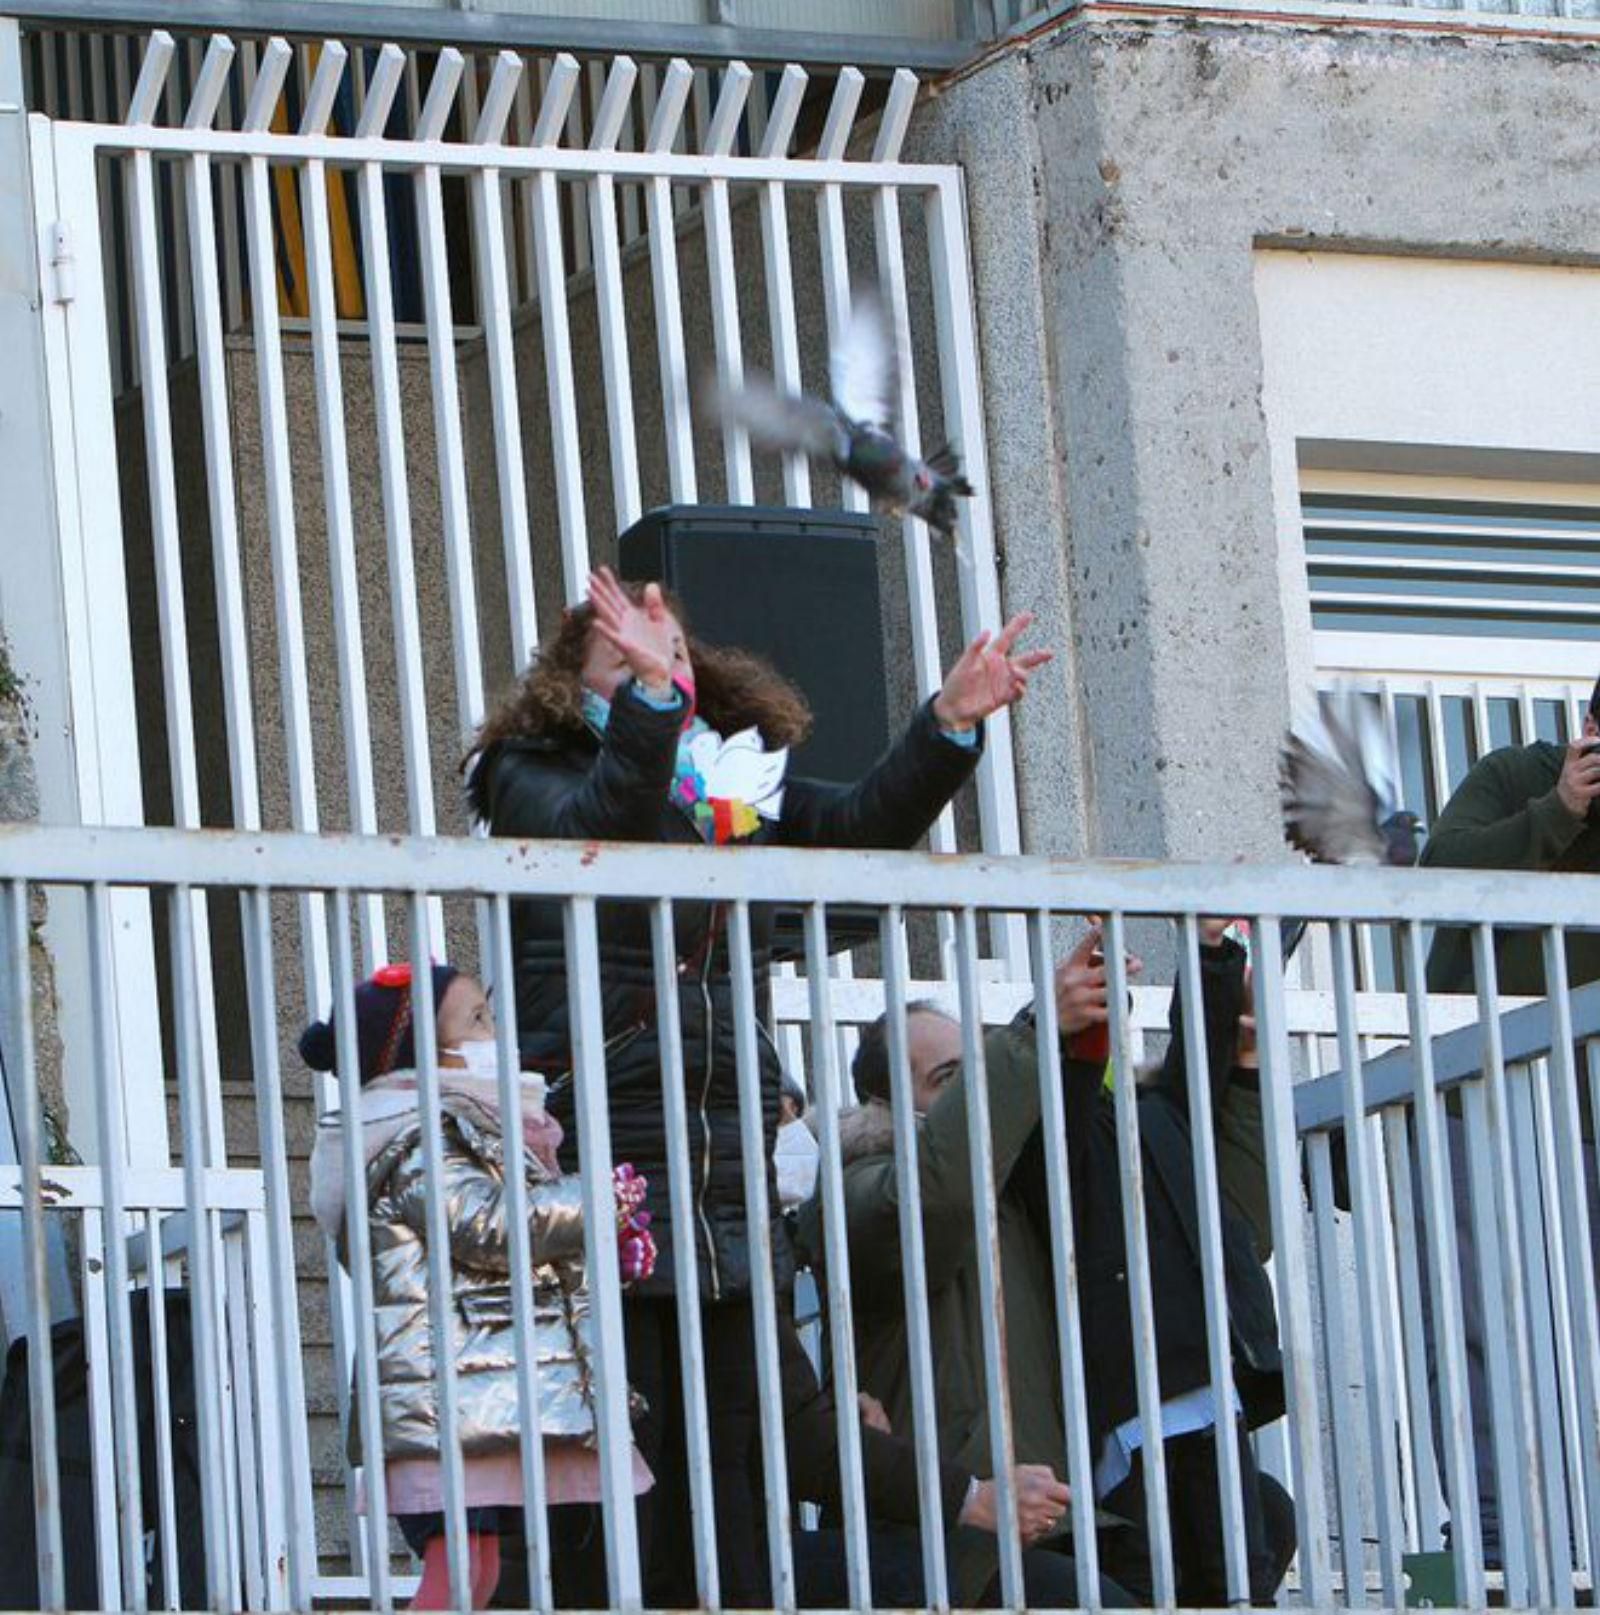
(1340, 784)
(857, 430)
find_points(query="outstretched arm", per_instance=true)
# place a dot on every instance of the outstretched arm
(902, 796)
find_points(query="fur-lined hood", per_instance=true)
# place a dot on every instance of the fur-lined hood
(866, 1130)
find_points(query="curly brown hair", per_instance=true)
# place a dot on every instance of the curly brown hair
(734, 689)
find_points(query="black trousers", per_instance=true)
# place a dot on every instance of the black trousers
(666, 1536)
(1050, 1581)
(1194, 1505)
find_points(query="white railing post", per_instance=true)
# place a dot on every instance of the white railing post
(63, 595)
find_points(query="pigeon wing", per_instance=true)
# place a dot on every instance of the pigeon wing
(1330, 809)
(862, 370)
(787, 422)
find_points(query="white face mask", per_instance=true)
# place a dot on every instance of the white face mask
(796, 1157)
(481, 1057)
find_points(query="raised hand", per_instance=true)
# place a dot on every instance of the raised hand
(646, 636)
(1081, 986)
(1579, 785)
(988, 676)
(1081, 1000)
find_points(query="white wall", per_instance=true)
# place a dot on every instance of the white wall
(1418, 366)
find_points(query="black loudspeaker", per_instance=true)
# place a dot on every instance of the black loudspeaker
(798, 587)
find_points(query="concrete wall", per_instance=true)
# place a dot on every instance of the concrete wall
(1159, 155)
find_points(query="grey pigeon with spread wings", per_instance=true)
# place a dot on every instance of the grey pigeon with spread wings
(1340, 786)
(856, 431)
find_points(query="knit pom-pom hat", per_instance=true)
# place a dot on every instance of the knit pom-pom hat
(383, 1024)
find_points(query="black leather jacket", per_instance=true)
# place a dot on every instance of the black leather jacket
(579, 786)
(1172, 1219)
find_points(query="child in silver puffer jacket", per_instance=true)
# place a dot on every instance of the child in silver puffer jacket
(483, 1342)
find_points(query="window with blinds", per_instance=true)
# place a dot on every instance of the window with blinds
(1452, 567)
(1474, 623)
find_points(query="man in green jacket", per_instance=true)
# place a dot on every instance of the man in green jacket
(1522, 807)
(1528, 807)
(954, 1309)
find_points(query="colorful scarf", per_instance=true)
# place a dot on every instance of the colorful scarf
(724, 787)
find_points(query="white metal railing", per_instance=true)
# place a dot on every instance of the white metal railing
(1359, 1432)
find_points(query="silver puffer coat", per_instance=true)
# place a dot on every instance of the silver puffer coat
(482, 1340)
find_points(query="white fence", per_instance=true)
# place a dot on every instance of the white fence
(1359, 1434)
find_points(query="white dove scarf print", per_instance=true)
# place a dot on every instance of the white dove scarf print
(726, 787)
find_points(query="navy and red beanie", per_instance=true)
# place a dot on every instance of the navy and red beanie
(383, 1024)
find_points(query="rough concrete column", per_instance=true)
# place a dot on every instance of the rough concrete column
(985, 122)
(1180, 638)
(19, 804)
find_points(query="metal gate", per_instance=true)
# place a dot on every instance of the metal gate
(292, 567)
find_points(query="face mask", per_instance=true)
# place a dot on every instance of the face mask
(481, 1057)
(796, 1156)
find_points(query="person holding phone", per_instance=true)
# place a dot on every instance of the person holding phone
(1534, 807)
(1521, 807)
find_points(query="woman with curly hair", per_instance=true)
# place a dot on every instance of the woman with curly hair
(625, 728)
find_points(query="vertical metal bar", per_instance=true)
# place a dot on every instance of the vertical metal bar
(756, 1153)
(686, 1278)
(608, 290)
(1337, 1368)
(357, 1255)
(1219, 1344)
(204, 1279)
(1417, 1413)
(668, 297)
(167, 542)
(390, 427)
(825, 1098)
(344, 584)
(441, 1301)
(299, 745)
(166, 1521)
(1136, 1238)
(1064, 1259)
(175, 234)
(113, 1177)
(724, 278)
(913, 1263)
(453, 501)
(986, 1233)
(1584, 1309)
(535, 1522)
(523, 186)
(1371, 1308)
(1289, 1260)
(1545, 1291)
(494, 299)
(267, 1392)
(915, 536)
(599, 1210)
(228, 190)
(27, 1117)
(573, 111)
(261, 987)
(249, 1505)
(832, 238)
(1496, 1196)
(1466, 1539)
(561, 393)
(956, 331)
(1508, 1427)
(773, 200)
(102, 1454)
